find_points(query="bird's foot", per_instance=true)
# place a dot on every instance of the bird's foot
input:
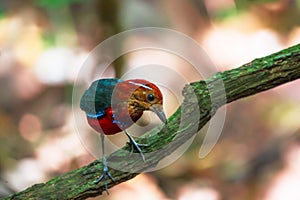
(136, 146)
(104, 176)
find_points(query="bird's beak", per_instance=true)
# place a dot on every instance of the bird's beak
(159, 111)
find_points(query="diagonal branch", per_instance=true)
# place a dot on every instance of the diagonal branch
(202, 99)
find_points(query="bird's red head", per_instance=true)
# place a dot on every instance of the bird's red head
(140, 95)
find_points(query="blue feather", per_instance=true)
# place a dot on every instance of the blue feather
(98, 96)
(97, 115)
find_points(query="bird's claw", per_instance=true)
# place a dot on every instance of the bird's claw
(136, 146)
(104, 176)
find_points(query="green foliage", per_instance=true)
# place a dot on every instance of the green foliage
(2, 12)
(226, 14)
(52, 4)
(298, 3)
(48, 39)
(243, 4)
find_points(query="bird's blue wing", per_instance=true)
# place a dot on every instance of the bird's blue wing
(98, 97)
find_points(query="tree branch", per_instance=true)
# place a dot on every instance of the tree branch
(203, 97)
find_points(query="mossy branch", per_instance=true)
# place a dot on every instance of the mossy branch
(202, 99)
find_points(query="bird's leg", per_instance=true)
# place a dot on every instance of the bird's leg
(134, 145)
(105, 173)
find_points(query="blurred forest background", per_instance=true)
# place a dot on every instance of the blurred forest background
(43, 43)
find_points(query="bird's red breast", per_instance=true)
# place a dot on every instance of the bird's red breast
(108, 125)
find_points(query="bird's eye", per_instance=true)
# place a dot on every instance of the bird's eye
(150, 97)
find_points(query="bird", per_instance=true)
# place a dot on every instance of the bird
(112, 105)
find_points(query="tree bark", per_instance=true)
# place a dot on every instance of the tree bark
(201, 98)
